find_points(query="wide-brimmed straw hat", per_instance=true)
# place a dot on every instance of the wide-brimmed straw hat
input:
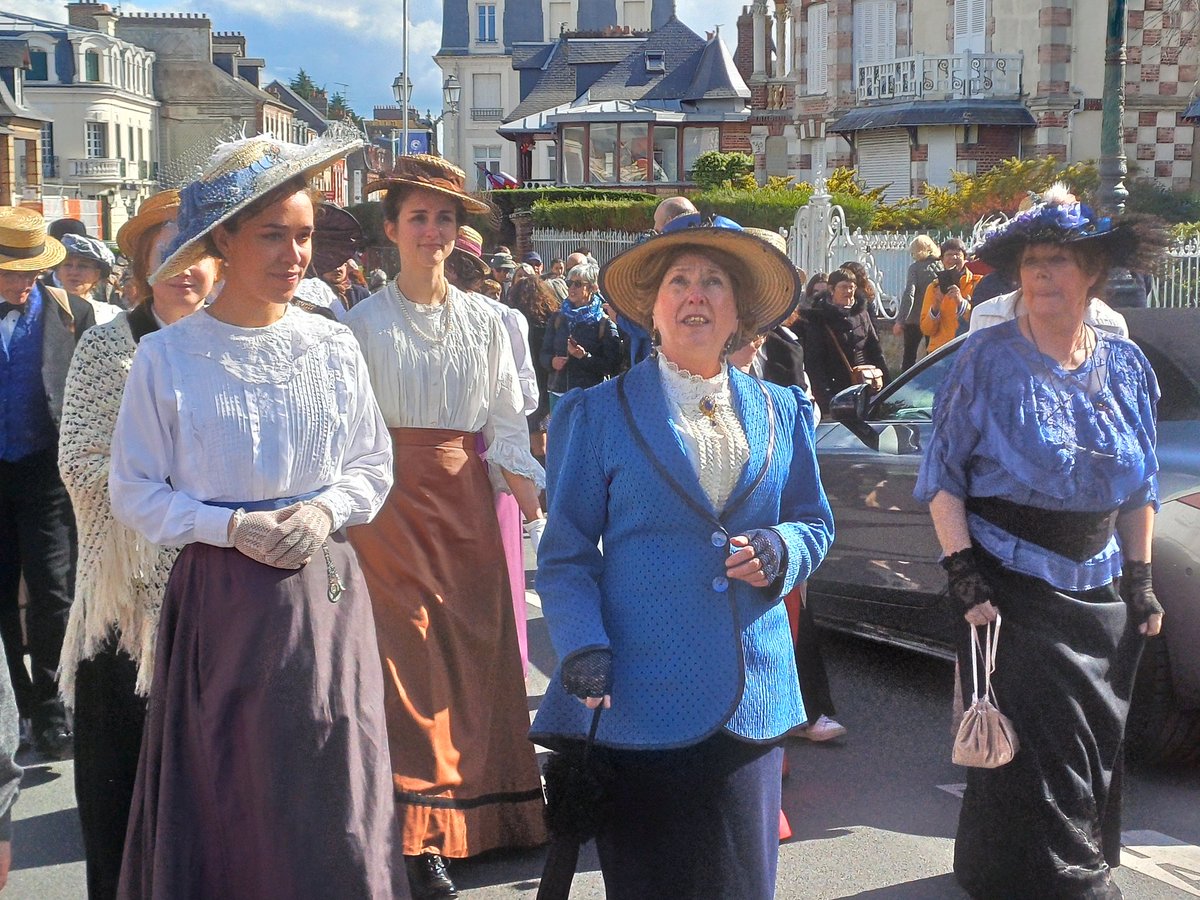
(432, 173)
(468, 250)
(155, 210)
(770, 283)
(237, 174)
(1057, 217)
(24, 244)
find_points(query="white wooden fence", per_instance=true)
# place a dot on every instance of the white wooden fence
(883, 252)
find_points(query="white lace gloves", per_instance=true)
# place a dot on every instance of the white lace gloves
(535, 529)
(285, 538)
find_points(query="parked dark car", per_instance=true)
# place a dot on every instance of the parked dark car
(881, 579)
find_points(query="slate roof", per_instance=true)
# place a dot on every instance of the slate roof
(940, 112)
(299, 105)
(531, 56)
(14, 53)
(626, 80)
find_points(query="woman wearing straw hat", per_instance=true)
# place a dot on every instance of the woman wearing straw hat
(684, 504)
(108, 654)
(466, 779)
(248, 434)
(1040, 475)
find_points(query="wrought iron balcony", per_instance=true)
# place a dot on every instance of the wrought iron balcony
(96, 169)
(957, 76)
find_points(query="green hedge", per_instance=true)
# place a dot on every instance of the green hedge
(509, 202)
(587, 215)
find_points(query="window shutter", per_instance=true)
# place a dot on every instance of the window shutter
(883, 158)
(818, 40)
(970, 26)
(874, 32)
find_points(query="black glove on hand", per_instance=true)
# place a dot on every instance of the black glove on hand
(588, 674)
(1137, 590)
(966, 583)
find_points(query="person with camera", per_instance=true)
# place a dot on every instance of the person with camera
(582, 346)
(841, 346)
(946, 309)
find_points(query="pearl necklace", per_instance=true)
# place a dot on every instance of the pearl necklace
(436, 340)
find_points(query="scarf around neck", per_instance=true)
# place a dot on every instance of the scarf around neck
(581, 315)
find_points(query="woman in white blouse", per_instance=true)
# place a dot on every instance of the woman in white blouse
(443, 371)
(248, 434)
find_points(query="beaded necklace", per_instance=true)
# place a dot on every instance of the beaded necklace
(446, 320)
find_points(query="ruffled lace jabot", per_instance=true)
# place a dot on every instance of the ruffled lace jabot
(711, 431)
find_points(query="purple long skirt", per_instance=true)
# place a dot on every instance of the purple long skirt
(264, 769)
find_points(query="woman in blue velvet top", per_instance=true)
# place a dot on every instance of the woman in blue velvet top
(684, 503)
(1041, 479)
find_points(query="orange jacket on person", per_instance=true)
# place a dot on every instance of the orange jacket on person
(939, 314)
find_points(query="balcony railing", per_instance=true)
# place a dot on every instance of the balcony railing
(958, 76)
(96, 169)
(487, 113)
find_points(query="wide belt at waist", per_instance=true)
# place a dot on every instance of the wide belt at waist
(1075, 535)
(433, 437)
(262, 505)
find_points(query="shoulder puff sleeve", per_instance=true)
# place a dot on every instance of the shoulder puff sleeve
(142, 451)
(505, 430)
(367, 466)
(806, 521)
(570, 563)
(955, 433)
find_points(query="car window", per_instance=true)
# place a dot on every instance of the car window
(1180, 401)
(912, 401)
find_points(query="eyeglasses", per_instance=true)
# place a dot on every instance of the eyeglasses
(576, 283)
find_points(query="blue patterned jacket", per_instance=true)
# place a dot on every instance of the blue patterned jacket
(693, 651)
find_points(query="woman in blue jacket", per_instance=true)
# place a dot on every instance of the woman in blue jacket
(684, 504)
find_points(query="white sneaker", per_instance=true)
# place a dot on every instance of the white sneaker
(824, 729)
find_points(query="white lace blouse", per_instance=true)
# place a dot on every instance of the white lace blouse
(714, 440)
(447, 365)
(214, 412)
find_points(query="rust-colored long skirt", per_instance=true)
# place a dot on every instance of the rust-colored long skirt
(466, 777)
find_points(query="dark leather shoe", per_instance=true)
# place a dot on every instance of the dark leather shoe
(55, 742)
(427, 877)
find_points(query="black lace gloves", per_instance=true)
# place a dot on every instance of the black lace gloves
(1137, 590)
(588, 674)
(967, 585)
(768, 548)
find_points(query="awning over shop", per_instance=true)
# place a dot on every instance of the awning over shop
(942, 112)
(582, 111)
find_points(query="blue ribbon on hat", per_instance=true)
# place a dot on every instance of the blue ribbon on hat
(697, 220)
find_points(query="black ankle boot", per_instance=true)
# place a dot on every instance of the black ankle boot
(427, 877)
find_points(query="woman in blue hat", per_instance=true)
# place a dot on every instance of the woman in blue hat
(249, 435)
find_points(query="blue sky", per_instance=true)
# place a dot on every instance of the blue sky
(354, 46)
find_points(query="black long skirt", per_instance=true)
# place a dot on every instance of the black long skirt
(693, 824)
(1048, 824)
(264, 769)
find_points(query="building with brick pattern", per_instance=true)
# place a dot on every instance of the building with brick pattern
(908, 91)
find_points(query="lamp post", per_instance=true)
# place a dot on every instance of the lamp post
(451, 93)
(1113, 169)
(1123, 289)
(402, 91)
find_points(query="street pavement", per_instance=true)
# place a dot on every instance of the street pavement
(873, 813)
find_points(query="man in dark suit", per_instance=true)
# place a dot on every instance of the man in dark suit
(39, 327)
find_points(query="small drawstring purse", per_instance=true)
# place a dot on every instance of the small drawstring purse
(986, 738)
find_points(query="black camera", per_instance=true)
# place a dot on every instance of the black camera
(948, 278)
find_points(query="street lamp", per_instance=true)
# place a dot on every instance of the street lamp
(402, 91)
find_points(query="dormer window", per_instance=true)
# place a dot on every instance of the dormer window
(656, 61)
(39, 66)
(91, 66)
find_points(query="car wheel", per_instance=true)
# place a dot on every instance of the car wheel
(1158, 731)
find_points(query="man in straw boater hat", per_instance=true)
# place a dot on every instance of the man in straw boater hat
(39, 327)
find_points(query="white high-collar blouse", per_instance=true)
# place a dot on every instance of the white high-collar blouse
(447, 365)
(714, 441)
(215, 412)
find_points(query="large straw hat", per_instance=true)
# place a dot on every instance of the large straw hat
(770, 283)
(153, 212)
(24, 244)
(237, 174)
(432, 173)
(337, 236)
